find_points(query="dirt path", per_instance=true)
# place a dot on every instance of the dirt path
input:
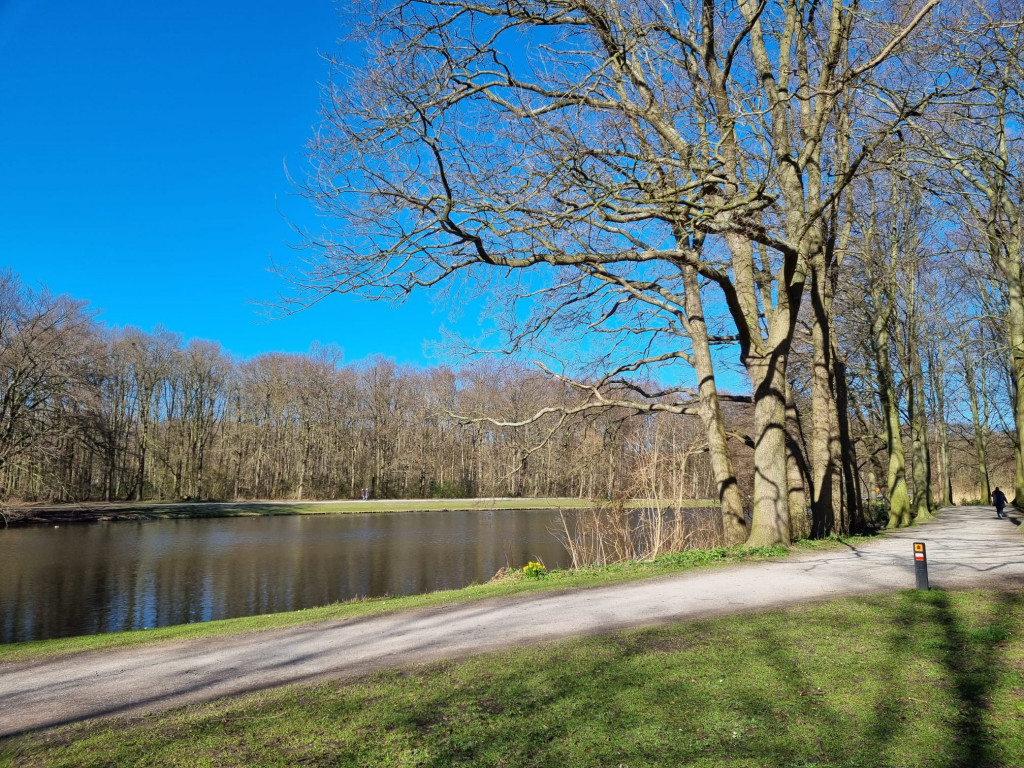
(967, 547)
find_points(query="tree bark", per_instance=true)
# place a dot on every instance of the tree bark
(823, 408)
(771, 522)
(849, 462)
(896, 482)
(937, 371)
(796, 469)
(734, 523)
(980, 426)
(916, 412)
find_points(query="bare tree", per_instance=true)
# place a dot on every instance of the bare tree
(976, 139)
(45, 350)
(624, 148)
(884, 229)
(910, 342)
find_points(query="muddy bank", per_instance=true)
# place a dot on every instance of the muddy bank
(58, 514)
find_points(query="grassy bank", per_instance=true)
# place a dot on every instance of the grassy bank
(154, 510)
(513, 583)
(913, 679)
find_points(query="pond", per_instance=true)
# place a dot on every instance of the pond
(109, 577)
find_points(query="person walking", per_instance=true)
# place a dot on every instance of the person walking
(999, 499)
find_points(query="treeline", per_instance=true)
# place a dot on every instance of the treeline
(89, 412)
(94, 413)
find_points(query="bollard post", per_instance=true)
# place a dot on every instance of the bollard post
(920, 565)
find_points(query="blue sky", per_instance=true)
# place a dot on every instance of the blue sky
(142, 155)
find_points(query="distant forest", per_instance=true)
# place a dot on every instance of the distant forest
(90, 413)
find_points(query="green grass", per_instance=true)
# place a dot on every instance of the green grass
(913, 679)
(513, 583)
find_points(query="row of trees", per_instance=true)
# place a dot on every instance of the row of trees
(94, 413)
(824, 193)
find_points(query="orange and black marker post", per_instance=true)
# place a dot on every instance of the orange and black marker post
(921, 565)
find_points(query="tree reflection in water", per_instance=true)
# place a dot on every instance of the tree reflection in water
(107, 577)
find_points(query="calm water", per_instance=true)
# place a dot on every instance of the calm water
(106, 577)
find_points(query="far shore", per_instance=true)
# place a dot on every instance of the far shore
(90, 512)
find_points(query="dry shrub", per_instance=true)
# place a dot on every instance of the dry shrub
(615, 533)
(662, 520)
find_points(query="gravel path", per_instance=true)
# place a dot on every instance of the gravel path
(967, 547)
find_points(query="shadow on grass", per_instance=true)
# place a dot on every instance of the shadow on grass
(902, 681)
(898, 680)
(847, 687)
(971, 659)
(930, 628)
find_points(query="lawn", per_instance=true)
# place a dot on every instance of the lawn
(911, 679)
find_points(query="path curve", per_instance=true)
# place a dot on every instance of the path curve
(967, 547)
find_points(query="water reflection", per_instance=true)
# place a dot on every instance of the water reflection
(85, 579)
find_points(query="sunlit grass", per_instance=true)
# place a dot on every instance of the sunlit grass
(912, 679)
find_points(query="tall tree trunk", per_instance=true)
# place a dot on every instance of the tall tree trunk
(824, 422)
(770, 525)
(140, 481)
(734, 523)
(304, 463)
(855, 522)
(881, 314)
(920, 455)
(916, 412)
(937, 371)
(796, 470)
(896, 482)
(980, 426)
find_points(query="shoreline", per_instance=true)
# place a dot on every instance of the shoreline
(122, 511)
